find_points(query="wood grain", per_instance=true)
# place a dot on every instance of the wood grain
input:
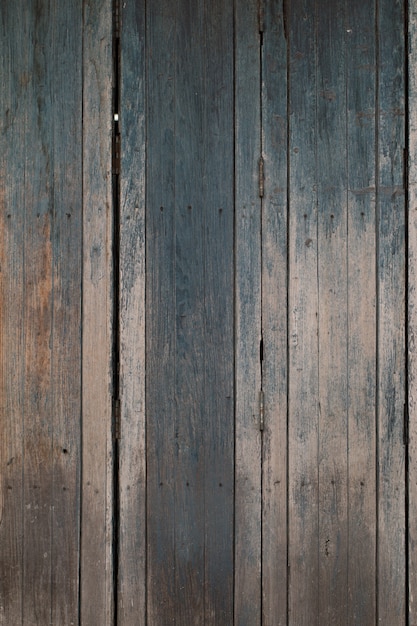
(97, 451)
(189, 313)
(274, 318)
(41, 313)
(412, 311)
(391, 317)
(303, 399)
(132, 445)
(361, 366)
(332, 312)
(248, 473)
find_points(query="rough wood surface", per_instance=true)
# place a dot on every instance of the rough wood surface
(41, 309)
(303, 399)
(248, 524)
(391, 559)
(131, 609)
(97, 451)
(361, 328)
(189, 321)
(274, 318)
(332, 312)
(412, 312)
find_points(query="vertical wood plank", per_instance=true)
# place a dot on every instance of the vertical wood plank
(97, 453)
(218, 260)
(160, 294)
(14, 102)
(361, 366)
(37, 326)
(66, 120)
(248, 482)
(189, 314)
(303, 488)
(274, 317)
(332, 318)
(41, 221)
(132, 446)
(391, 315)
(412, 311)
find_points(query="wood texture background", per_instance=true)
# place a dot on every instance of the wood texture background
(300, 289)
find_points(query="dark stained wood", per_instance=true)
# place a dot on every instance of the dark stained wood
(412, 311)
(96, 569)
(274, 318)
(41, 312)
(189, 323)
(332, 311)
(361, 329)
(391, 559)
(303, 307)
(248, 477)
(132, 446)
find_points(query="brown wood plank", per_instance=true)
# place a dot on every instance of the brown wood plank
(97, 452)
(248, 481)
(361, 366)
(303, 513)
(391, 315)
(332, 312)
(412, 311)
(37, 327)
(14, 102)
(132, 446)
(41, 217)
(274, 318)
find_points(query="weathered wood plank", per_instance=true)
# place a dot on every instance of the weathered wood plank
(189, 347)
(160, 306)
(303, 473)
(41, 218)
(97, 452)
(14, 102)
(218, 260)
(412, 311)
(132, 446)
(37, 326)
(65, 119)
(361, 366)
(248, 477)
(391, 315)
(274, 318)
(332, 318)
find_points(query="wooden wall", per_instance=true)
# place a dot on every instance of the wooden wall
(207, 360)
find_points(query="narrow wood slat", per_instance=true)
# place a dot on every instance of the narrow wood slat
(391, 315)
(248, 524)
(132, 447)
(274, 318)
(218, 260)
(412, 311)
(361, 366)
(65, 60)
(332, 318)
(14, 102)
(160, 303)
(37, 326)
(97, 452)
(303, 474)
